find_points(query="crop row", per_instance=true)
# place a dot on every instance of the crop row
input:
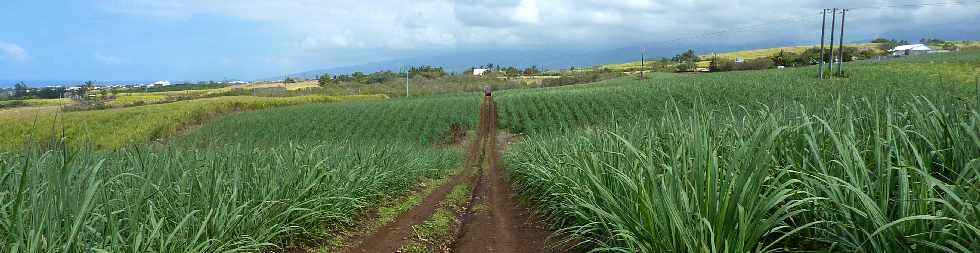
(115, 128)
(219, 199)
(849, 177)
(945, 79)
(425, 121)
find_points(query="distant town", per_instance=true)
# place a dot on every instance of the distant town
(24, 89)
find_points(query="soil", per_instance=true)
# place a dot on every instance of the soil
(390, 237)
(500, 223)
(495, 220)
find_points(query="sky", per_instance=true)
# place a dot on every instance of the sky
(251, 39)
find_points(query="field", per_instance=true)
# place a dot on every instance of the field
(35, 103)
(115, 128)
(759, 53)
(884, 160)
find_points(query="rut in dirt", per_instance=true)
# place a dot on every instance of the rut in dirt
(497, 221)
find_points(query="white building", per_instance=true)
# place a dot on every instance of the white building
(480, 72)
(162, 83)
(913, 49)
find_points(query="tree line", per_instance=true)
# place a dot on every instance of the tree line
(427, 72)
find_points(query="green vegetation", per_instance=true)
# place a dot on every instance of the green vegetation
(36, 102)
(118, 127)
(554, 110)
(773, 160)
(756, 59)
(425, 120)
(130, 99)
(883, 161)
(861, 177)
(216, 199)
(217, 195)
(435, 234)
(386, 213)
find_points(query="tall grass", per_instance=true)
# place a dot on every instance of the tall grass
(115, 128)
(939, 77)
(854, 177)
(431, 120)
(218, 199)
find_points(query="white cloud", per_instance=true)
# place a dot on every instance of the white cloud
(527, 12)
(13, 53)
(336, 26)
(106, 59)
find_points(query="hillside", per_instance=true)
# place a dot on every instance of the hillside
(766, 52)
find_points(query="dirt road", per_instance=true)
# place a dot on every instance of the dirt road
(495, 221)
(498, 222)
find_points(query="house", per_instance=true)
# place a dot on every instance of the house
(74, 92)
(480, 72)
(162, 83)
(914, 49)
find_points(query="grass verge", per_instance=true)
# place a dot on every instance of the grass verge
(436, 233)
(385, 214)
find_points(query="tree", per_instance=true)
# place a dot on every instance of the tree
(324, 80)
(360, 77)
(932, 41)
(685, 66)
(886, 44)
(881, 40)
(88, 86)
(950, 46)
(783, 58)
(719, 64)
(511, 71)
(533, 70)
(21, 90)
(429, 72)
(382, 76)
(688, 56)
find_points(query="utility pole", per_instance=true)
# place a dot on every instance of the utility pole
(840, 66)
(642, 52)
(407, 70)
(823, 29)
(833, 25)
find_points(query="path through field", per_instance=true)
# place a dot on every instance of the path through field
(497, 222)
(494, 222)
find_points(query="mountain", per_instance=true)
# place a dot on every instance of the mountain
(555, 59)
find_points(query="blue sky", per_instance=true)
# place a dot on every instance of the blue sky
(247, 39)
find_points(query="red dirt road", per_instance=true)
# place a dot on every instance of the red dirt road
(495, 222)
(390, 237)
(499, 223)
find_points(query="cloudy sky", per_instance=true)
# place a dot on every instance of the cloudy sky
(246, 39)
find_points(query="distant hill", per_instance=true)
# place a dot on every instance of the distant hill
(557, 59)
(760, 52)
